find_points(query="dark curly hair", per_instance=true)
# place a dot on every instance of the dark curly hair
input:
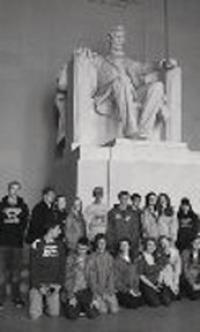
(169, 209)
(147, 197)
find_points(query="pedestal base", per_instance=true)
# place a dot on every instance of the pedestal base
(139, 166)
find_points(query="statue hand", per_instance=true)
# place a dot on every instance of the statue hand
(168, 64)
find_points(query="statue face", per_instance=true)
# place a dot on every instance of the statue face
(117, 38)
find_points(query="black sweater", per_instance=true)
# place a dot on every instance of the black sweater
(47, 263)
(13, 221)
(41, 216)
(188, 229)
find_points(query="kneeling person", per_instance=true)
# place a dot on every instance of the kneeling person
(190, 280)
(47, 267)
(101, 277)
(78, 297)
(127, 277)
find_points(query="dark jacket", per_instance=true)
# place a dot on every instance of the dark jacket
(42, 215)
(126, 275)
(123, 224)
(151, 272)
(188, 229)
(47, 263)
(13, 222)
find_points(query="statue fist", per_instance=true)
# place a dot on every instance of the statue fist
(168, 63)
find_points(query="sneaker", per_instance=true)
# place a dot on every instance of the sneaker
(19, 303)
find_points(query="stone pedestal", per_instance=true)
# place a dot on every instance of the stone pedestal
(139, 166)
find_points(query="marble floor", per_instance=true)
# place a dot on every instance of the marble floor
(181, 316)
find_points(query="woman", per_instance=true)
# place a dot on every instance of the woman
(150, 267)
(188, 224)
(149, 217)
(101, 277)
(167, 221)
(126, 277)
(190, 282)
(75, 225)
(170, 274)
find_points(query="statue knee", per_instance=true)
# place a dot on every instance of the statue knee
(158, 87)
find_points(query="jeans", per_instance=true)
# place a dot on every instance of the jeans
(40, 301)
(10, 270)
(84, 304)
(153, 298)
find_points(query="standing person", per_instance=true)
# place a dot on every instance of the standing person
(153, 292)
(126, 277)
(60, 211)
(101, 277)
(167, 220)
(190, 281)
(47, 268)
(149, 217)
(78, 296)
(137, 211)
(188, 224)
(13, 221)
(95, 215)
(75, 225)
(123, 223)
(136, 202)
(42, 215)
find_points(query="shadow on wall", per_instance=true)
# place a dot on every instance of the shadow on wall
(63, 174)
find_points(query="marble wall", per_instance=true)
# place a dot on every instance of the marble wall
(38, 36)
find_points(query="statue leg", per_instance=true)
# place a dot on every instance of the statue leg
(151, 107)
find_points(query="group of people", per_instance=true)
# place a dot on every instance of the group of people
(91, 261)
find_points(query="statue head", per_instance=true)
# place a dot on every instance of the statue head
(117, 38)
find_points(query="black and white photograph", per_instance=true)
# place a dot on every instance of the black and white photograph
(99, 165)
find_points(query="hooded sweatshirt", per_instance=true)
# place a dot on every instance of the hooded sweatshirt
(13, 222)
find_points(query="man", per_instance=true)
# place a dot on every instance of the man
(95, 215)
(123, 223)
(136, 208)
(13, 220)
(42, 214)
(132, 89)
(77, 296)
(136, 202)
(47, 269)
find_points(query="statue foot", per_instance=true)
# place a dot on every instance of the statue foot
(131, 135)
(142, 136)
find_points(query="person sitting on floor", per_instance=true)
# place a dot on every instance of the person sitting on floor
(77, 297)
(150, 266)
(101, 276)
(47, 261)
(126, 277)
(171, 272)
(190, 281)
